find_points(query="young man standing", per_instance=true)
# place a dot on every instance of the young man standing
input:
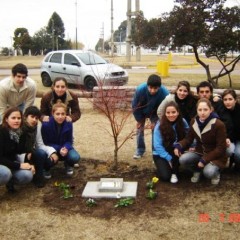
(17, 90)
(146, 100)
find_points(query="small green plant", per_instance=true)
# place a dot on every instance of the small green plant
(151, 194)
(91, 202)
(65, 188)
(151, 184)
(125, 202)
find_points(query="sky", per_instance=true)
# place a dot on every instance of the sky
(90, 17)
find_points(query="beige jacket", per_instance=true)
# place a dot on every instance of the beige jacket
(10, 97)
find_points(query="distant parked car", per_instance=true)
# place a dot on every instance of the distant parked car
(82, 68)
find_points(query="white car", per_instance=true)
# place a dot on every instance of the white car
(81, 68)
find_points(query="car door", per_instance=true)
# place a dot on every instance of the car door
(72, 69)
(55, 66)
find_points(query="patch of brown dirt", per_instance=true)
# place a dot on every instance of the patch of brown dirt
(169, 195)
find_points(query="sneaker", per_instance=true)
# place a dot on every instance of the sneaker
(137, 156)
(47, 174)
(216, 180)
(174, 178)
(76, 165)
(69, 170)
(196, 177)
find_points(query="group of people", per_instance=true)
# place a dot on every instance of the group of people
(199, 132)
(28, 150)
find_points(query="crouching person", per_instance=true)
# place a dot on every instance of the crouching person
(209, 156)
(170, 129)
(12, 143)
(58, 133)
(41, 156)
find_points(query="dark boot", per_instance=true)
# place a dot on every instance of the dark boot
(38, 181)
(10, 187)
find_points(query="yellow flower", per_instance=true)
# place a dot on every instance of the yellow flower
(155, 179)
(56, 184)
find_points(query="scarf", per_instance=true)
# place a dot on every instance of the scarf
(31, 133)
(61, 98)
(15, 135)
(203, 124)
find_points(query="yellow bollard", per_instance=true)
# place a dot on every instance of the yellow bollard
(165, 69)
(159, 66)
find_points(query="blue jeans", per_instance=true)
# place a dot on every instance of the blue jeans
(141, 147)
(71, 158)
(16, 176)
(41, 161)
(190, 160)
(5, 175)
(234, 149)
(22, 176)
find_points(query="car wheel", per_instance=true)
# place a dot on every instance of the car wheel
(90, 83)
(46, 80)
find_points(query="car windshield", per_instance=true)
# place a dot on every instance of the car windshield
(91, 58)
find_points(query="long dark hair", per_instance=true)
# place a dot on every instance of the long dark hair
(231, 92)
(166, 129)
(187, 106)
(57, 79)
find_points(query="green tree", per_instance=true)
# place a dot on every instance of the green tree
(5, 51)
(56, 29)
(120, 34)
(107, 47)
(152, 33)
(202, 24)
(41, 42)
(22, 40)
(207, 24)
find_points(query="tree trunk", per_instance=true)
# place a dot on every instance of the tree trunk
(115, 157)
(206, 67)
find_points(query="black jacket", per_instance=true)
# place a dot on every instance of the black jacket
(224, 116)
(9, 149)
(234, 133)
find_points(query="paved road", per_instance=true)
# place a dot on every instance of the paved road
(194, 70)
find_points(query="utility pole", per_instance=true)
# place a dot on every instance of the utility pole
(76, 26)
(129, 48)
(129, 28)
(112, 44)
(103, 37)
(53, 42)
(138, 49)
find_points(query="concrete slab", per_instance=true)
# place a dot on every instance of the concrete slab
(91, 191)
